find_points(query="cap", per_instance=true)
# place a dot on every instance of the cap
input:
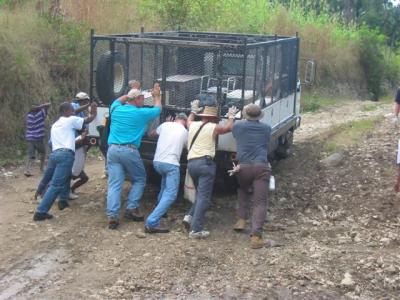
(134, 93)
(82, 96)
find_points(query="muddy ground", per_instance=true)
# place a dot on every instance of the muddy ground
(340, 227)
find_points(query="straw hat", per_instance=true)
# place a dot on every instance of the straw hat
(252, 112)
(209, 111)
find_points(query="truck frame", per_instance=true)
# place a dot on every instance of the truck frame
(221, 69)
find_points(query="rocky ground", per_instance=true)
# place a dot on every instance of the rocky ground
(339, 224)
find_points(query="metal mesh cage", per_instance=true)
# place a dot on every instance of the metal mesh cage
(217, 68)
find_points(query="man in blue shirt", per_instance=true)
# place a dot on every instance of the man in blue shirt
(129, 120)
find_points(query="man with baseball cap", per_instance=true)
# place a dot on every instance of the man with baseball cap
(172, 138)
(252, 140)
(129, 121)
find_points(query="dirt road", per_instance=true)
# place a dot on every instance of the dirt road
(340, 227)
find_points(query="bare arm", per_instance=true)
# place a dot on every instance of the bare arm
(190, 119)
(82, 108)
(225, 128)
(156, 94)
(92, 113)
(123, 99)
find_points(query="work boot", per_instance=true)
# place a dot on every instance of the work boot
(62, 204)
(257, 242)
(113, 223)
(42, 216)
(134, 215)
(240, 225)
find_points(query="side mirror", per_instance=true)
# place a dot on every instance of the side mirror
(309, 74)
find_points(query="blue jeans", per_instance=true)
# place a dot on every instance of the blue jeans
(122, 161)
(59, 172)
(202, 171)
(170, 176)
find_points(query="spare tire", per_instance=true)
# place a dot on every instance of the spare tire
(109, 88)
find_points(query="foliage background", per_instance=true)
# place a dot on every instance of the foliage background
(44, 44)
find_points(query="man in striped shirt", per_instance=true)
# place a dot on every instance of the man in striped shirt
(34, 135)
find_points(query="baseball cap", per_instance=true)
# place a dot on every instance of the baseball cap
(133, 93)
(82, 96)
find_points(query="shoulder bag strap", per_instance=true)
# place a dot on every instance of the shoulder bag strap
(196, 135)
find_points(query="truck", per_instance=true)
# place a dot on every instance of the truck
(222, 69)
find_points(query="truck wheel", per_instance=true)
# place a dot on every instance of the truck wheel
(284, 149)
(109, 88)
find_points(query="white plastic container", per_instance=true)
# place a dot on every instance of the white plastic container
(272, 183)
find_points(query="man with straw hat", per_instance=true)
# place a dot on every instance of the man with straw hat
(201, 165)
(253, 173)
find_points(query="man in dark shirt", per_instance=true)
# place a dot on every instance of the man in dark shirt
(252, 139)
(34, 135)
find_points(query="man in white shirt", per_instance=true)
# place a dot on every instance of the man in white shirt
(61, 158)
(172, 138)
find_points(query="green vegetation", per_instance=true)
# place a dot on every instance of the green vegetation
(44, 46)
(349, 134)
(313, 102)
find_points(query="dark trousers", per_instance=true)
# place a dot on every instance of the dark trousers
(253, 184)
(202, 171)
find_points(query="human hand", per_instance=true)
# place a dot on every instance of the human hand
(235, 169)
(232, 112)
(156, 91)
(194, 106)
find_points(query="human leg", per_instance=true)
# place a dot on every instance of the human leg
(260, 186)
(115, 181)
(29, 158)
(170, 174)
(206, 169)
(63, 161)
(82, 179)
(133, 165)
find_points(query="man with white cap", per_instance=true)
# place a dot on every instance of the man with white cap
(201, 165)
(252, 140)
(129, 121)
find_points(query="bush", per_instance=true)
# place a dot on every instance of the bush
(42, 59)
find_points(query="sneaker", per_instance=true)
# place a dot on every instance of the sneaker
(199, 234)
(134, 215)
(113, 223)
(62, 205)
(187, 221)
(73, 196)
(42, 216)
(240, 225)
(157, 229)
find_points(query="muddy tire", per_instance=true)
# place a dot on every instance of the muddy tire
(284, 149)
(109, 88)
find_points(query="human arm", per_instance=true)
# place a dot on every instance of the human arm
(92, 113)
(195, 109)
(123, 99)
(156, 94)
(81, 108)
(227, 127)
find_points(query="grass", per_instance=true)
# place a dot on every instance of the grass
(313, 103)
(349, 134)
(369, 107)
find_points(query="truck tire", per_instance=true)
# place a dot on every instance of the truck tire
(284, 149)
(109, 88)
